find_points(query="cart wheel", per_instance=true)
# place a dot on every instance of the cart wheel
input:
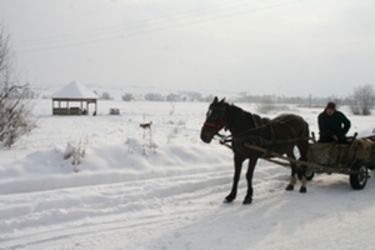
(309, 175)
(359, 179)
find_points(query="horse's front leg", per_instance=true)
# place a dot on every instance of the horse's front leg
(237, 173)
(293, 179)
(249, 176)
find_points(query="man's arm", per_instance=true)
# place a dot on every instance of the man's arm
(346, 123)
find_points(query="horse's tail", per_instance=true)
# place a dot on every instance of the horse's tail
(307, 130)
(304, 143)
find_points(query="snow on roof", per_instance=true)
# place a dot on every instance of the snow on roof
(75, 90)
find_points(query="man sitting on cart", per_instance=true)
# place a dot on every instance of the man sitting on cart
(333, 125)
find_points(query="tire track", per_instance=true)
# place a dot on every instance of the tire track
(118, 212)
(165, 203)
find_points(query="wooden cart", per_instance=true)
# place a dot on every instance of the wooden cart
(355, 159)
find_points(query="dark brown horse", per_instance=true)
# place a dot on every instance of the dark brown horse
(279, 135)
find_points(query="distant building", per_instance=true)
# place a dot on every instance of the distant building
(74, 99)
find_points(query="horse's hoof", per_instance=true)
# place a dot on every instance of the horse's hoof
(289, 187)
(229, 199)
(247, 201)
(303, 190)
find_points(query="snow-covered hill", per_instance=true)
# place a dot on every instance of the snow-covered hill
(164, 190)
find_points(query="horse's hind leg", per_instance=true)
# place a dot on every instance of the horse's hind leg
(293, 179)
(249, 176)
(303, 179)
(302, 168)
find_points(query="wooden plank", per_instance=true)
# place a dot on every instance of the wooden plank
(313, 166)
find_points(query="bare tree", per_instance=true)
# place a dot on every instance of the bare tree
(127, 97)
(154, 97)
(363, 100)
(106, 96)
(14, 114)
(266, 105)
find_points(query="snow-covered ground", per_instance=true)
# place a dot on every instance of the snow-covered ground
(164, 190)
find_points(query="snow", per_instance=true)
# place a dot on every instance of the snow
(163, 189)
(75, 90)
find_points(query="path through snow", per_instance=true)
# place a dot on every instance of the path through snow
(186, 212)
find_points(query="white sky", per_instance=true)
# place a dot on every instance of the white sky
(300, 47)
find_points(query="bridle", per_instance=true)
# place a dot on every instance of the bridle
(217, 125)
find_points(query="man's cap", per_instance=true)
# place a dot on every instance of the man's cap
(331, 105)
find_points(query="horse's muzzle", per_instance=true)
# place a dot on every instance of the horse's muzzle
(206, 136)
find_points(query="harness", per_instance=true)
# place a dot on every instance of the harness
(247, 135)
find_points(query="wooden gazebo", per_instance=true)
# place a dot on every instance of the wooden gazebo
(74, 99)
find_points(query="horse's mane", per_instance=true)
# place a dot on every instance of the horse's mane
(254, 119)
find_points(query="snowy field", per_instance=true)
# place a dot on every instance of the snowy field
(136, 190)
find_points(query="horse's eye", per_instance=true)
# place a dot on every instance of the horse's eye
(209, 112)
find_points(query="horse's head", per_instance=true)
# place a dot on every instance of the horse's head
(215, 119)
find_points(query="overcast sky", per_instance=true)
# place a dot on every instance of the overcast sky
(300, 47)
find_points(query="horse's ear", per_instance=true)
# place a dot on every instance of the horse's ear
(222, 100)
(216, 99)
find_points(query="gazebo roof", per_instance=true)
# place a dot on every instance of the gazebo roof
(74, 90)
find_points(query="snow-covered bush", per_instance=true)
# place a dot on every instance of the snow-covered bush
(15, 117)
(76, 153)
(114, 111)
(363, 100)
